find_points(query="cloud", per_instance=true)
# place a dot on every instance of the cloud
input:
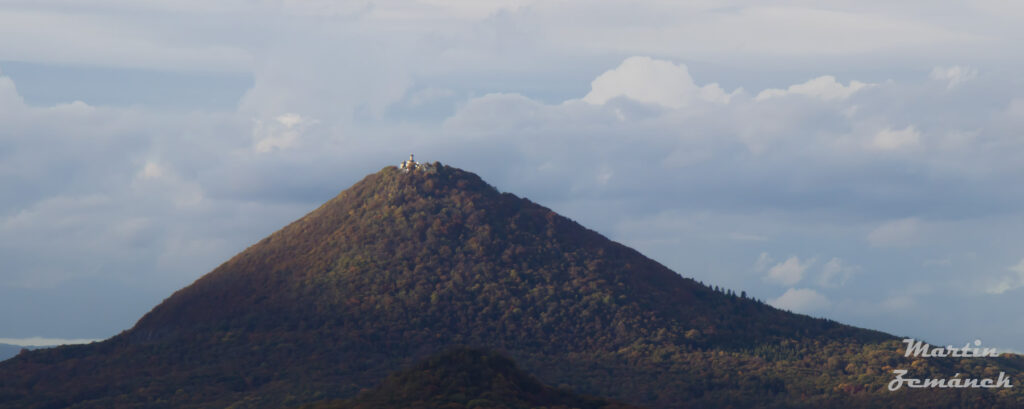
(279, 133)
(763, 261)
(835, 273)
(157, 179)
(151, 171)
(954, 75)
(55, 36)
(801, 300)
(60, 216)
(652, 81)
(889, 139)
(789, 272)
(99, 192)
(9, 97)
(896, 233)
(496, 113)
(44, 342)
(825, 88)
(1010, 282)
(705, 32)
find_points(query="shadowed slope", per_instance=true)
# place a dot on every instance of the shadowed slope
(471, 378)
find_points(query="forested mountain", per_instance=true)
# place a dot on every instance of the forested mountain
(406, 264)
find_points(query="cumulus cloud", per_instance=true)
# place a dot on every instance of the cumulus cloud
(111, 189)
(789, 272)
(825, 88)
(954, 75)
(890, 139)
(279, 133)
(1009, 282)
(802, 300)
(652, 81)
(157, 179)
(835, 273)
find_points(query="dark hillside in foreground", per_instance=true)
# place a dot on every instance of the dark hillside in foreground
(467, 378)
(403, 265)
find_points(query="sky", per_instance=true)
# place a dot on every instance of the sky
(855, 160)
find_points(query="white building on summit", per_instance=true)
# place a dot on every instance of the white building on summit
(408, 165)
(412, 164)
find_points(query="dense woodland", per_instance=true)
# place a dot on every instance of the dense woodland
(404, 265)
(466, 378)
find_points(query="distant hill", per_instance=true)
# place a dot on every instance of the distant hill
(470, 378)
(403, 265)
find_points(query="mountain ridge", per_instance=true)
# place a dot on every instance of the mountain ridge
(404, 264)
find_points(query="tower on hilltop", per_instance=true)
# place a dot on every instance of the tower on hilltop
(408, 165)
(412, 164)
